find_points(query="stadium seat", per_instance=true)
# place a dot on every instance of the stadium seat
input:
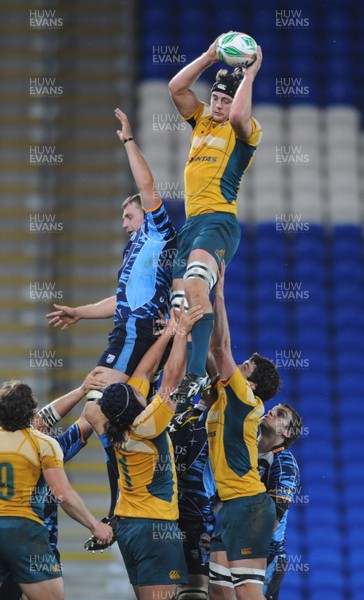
(311, 338)
(315, 516)
(311, 448)
(318, 472)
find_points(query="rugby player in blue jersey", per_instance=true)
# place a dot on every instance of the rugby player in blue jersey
(278, 469)
(196, 490)
(144, 278)
(144, 283)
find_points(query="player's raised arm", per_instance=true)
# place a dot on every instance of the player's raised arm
(48, 416)
(220, 343)
(142, 174)
(179, 87)
(241, 107)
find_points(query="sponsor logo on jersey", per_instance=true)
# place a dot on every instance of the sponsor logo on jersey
(110, 358)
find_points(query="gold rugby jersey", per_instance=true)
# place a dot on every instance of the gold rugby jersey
(216, 163)
(24, 455)
(147, 475)
(232, 427)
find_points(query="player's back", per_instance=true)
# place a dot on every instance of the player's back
(24, 454)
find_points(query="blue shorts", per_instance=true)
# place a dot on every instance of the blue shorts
(25, 551)
(245, 527)
(128, 342)
(217, 233)
(197, 559)
(152, 550)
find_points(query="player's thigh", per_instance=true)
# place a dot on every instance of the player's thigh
(51, 589)
(128, 343)
(219, 236)
(111, 375)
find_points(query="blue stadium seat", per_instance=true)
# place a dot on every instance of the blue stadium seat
(351, 493)
(354, 514)
(357, 407)
(315, 516)
(265, 90)
(349, 449)
(311, 448)
(315, 391)
(347, 337)
(357, 581)
(338, 20)
(267, 311)
(345, 269)
(355, 561)
(311, 338)
(347, 232)
(331, 558)
(355, 536)
(319, 537)
(310, 270)
(348, 361)
(350, 427)
(310, 313)
(344, 316)
(347, 294)
(352, 471)
(340, 91)
(318, 472)
(335, 594)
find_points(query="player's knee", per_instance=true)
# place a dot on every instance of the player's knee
(192, 593)
(200, 271)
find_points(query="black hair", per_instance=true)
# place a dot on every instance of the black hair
(265, 376)
(17, 405)
(120, 405)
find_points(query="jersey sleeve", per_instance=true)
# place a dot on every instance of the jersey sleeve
(157, 224)
(256, 135)
(203, 110)
(51, 455)
(142, 385)
(153, 420)
(71, 441)
(283, 477)
(241, 389)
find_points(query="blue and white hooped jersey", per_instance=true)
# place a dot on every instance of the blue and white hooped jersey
(145, 277)
(280, 474)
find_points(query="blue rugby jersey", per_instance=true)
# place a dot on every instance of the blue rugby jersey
(71, 442)
(280, 474)
(196, 486)
(145, 277)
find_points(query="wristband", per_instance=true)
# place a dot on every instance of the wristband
(49, 415)
(129, 139)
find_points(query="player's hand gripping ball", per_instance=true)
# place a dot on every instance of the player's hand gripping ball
(236, 49)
